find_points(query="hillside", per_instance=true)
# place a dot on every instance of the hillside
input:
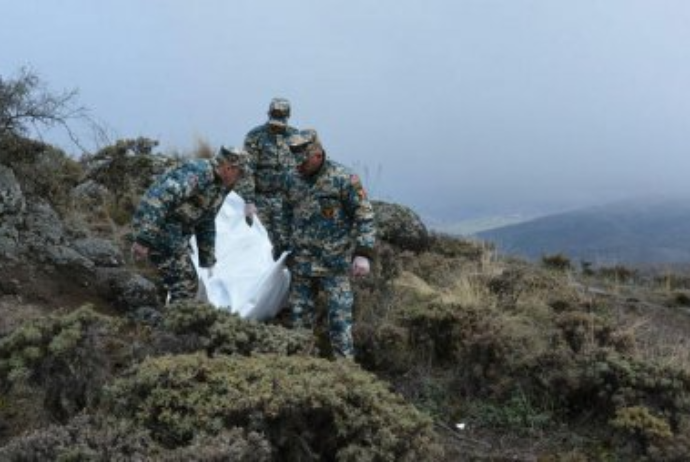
(653, 230)
(462, 355)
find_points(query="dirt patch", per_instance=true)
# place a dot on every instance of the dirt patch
(28, 292)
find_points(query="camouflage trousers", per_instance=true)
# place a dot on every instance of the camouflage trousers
(272, 214)
(177, 275)
(339, 301)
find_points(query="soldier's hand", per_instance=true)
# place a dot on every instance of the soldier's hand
(139, 252)
(249, 210)
(360, 267)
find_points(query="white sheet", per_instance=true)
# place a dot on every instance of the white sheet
(245, 278)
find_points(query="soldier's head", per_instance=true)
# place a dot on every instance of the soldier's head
(231, 163)
(307, 150)
(278, 114)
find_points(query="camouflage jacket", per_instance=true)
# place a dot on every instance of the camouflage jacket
(331, 220)
(181, 203)
(269, 159)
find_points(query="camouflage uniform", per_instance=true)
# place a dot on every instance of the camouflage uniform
(331, 221)
(181, 203)
(269, 159)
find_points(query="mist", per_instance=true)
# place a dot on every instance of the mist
(458, 109)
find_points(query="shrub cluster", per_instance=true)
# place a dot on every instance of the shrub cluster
(308, 408)
(199, 326)
(69, 358)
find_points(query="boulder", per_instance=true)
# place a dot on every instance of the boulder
(12, 205)
(101, 251)
(128, 290)
(42, 227)
(11, 197)
(400, 226)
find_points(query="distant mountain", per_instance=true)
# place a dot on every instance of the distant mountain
(476, 225)
(651, 230)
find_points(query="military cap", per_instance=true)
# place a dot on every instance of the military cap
(278, 112)
(300, 141)
(236, 157)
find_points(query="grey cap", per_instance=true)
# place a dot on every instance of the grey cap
(236, 157)
(300, 141)
(279, 112)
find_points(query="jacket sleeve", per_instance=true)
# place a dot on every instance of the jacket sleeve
(361, 212)
(205, 233)
(246, 187)
(158, 203)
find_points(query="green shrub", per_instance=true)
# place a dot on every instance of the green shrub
(201, 326)
(518, 412)
(83, 439)
(43, 171)
(68, 357)
(308, 408)
(640, 423)
(559, 262)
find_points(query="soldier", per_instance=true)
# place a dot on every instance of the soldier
(269, 159)
(332, 234)
(181, 203)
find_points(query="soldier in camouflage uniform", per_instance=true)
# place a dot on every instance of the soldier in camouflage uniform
(269, 159)
(332, 234)
(181, 203)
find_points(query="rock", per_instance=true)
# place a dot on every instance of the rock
(400, 226)
(11, 197)
(67, 258)
(88, 195)
(12, 205)
(42, 227)
(128, 290)
(101, 251)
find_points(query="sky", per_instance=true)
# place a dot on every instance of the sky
(458, 109)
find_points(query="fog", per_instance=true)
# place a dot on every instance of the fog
(458, 109)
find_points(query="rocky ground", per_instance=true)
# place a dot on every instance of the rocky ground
(463, 354)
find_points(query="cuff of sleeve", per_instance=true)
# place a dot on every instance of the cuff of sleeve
(367, 252)
(207, 262)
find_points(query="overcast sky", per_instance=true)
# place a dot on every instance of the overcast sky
(457, 108)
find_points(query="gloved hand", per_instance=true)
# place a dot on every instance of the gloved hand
(360, 266)
(249, 210)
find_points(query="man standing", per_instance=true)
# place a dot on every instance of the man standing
(269, 159)
(332, 234)
(181, 203)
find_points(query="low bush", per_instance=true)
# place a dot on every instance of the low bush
(307, 408)
(199, 326)
(68, 358)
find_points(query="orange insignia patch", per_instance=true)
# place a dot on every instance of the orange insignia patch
(328, 212)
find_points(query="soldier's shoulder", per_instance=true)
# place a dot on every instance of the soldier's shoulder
(338, 169)
(194, 170)
(257, 131)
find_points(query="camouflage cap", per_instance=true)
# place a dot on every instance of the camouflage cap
(279, 112)
(236, 157)
(300, 141)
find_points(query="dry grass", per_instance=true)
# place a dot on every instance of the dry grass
(202, 149)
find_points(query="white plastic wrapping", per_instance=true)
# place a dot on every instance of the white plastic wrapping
(245, 279)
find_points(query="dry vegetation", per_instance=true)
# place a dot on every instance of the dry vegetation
(534, 361)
